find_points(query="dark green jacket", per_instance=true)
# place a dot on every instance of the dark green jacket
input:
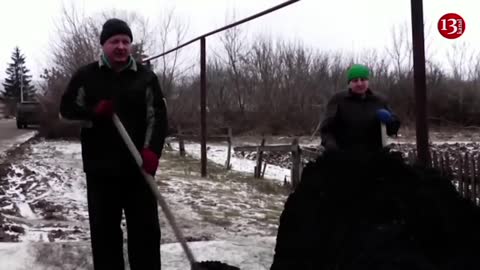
(138, 102)
(351, 123)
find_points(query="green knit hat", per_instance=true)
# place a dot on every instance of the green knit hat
(358, 71)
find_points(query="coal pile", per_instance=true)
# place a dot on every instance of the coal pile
(213, 265)
(380, 213)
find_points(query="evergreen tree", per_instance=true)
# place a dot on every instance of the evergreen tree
(18, 79)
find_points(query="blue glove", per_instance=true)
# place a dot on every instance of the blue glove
(384, 116)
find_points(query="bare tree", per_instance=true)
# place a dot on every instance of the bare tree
(77, 43)
(282, 87)
(233, 41)
(474, 73)
(78, 37)
(171, 33)
(400, 52)
(458, 59)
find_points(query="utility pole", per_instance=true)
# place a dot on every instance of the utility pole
(203, 104)
(420, 86)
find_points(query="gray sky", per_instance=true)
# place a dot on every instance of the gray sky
(327, 25)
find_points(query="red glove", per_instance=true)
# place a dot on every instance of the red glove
(150, 161)
(104, 109)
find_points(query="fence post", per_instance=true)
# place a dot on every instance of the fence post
(477, 180)
(258, 167)
(264, 168)
(447, 165)
(444, 164)
(466, 162)
(460, 173)
(296, 163)
(229, 151)
(411, 158)
(435, 163)
(181, 143)
(471, 185)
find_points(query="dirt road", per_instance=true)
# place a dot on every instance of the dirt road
(10, 135)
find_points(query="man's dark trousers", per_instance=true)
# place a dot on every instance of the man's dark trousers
(110, 192)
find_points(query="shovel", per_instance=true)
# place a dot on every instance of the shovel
(204, 265)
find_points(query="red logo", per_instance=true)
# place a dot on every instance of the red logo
(451, 25)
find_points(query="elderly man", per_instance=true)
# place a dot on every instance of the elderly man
(116, 83)
(353, 117)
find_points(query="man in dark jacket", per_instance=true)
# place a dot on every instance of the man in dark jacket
(353, 117)
(117, 84)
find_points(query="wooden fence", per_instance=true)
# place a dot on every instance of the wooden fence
(225, 135)
(222, 135)
(462, 166)
(294, 149)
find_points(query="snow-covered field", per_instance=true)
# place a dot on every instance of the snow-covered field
(44, 192)
(227, 216)
(246, 253)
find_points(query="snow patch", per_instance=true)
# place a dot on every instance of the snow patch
(25, 210)
(218, 154)
(247, 253)
(15, 256)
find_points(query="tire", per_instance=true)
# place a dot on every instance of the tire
(19, 125)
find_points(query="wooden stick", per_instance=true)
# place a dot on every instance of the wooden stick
(151, 182)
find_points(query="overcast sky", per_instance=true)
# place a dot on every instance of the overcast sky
(351, 25)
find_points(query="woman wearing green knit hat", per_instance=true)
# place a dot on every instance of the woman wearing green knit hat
(358, 76)
(353, 117)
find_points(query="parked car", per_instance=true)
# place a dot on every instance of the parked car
(28, 113)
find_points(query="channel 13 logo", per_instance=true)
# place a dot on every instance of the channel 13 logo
(451, 25)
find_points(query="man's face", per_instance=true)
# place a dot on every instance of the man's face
(359, 85)
(118, 48)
